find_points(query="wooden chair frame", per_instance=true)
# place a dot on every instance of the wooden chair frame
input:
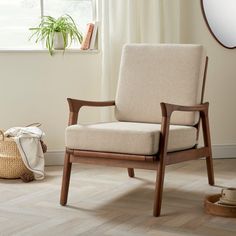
(156, 162)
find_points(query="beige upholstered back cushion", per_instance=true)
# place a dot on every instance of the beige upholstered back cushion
(151, 74)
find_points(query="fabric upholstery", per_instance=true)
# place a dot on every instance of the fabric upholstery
(128, 137)
(151, 74)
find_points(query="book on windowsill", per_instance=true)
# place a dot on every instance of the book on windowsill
(94, 38)
(87, 38)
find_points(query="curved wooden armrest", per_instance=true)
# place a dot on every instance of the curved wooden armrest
(75, 106)
(168, 109)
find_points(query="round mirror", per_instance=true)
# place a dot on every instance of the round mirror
(220, 17)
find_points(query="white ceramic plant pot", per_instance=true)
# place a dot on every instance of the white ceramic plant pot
(58, 41)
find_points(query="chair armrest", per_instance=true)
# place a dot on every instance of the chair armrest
(75, 105)
(168, 109)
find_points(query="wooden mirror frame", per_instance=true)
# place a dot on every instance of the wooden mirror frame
(209, 28)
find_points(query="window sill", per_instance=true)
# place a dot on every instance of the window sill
(39, 50)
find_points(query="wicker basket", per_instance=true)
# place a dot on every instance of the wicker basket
(11, 164)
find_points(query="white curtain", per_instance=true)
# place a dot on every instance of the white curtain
(132, 21)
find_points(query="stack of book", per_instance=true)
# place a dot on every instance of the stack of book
(90, 38)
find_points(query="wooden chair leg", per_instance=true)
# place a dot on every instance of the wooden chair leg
(159, 190)
(207, 142)
(131, 172)
(65, 180)
(210, 171)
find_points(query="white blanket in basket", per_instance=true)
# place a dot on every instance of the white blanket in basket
(28, 143)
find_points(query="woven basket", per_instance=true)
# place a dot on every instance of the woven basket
(11, 164)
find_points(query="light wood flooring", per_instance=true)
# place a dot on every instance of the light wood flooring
(105, 201)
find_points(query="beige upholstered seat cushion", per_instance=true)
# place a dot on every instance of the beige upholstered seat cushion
(151, 74)
(128, 137)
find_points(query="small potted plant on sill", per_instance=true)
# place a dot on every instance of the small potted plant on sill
(57, 33)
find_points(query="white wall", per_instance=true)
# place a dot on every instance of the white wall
(34, 87)
(221, 79)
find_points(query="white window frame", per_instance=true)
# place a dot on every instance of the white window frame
(94, 9)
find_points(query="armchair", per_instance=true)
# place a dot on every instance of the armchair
(145, 136)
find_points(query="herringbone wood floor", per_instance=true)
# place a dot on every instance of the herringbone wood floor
(104, 201)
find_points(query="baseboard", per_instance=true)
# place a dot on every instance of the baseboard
(219, 151)
(224, 151)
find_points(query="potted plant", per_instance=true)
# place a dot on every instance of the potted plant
(57, 33)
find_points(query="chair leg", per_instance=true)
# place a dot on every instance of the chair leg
(159, 190)
(207, 142)
(131, 172)
(210, 171)
(65, 180)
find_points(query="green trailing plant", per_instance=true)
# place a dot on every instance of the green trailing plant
(49, 26)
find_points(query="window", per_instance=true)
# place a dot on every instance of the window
(17, 16)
